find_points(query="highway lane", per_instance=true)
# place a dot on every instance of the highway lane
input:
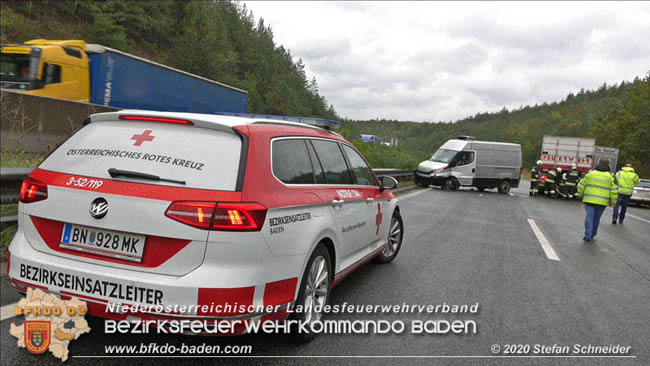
(465, 247)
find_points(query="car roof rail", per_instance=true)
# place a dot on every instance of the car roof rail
(326, 124)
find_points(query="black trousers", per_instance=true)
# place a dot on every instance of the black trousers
(533, 188)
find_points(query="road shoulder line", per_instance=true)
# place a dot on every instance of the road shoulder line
(413, 194)
(548, 249)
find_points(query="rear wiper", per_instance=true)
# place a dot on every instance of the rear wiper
(131, 174)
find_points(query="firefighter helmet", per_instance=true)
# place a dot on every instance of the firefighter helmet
(574, 166)
(539, 162)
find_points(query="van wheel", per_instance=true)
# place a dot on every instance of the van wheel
(451, 184)
(504, 187)
(314, 292)
(395, 236)
(481, 189)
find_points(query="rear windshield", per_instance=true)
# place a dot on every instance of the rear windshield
(202, 158)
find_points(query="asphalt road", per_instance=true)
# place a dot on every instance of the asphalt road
(461, 247)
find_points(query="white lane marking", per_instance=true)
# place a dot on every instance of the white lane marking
(548, 249)
(413, 194)
(633, 216)
(638, 218)
(7, 311)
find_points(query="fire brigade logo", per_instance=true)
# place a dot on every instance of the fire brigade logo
(37, 335)
(50, 323)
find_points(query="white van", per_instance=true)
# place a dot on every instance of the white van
(464, 162)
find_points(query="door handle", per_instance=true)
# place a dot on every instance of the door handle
(337, 202)
(473, 170)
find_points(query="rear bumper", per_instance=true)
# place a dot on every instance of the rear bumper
(240, 292)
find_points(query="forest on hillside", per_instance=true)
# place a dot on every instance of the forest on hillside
(616, 115)
(219, 40)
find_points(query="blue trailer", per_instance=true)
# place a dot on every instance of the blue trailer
(121, 80)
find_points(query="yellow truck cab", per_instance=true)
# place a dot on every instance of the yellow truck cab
(57, 69)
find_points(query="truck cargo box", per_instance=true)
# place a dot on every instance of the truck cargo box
(121, 80)
(559, 151)
(610, 153)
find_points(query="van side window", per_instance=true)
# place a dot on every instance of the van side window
(465, 157)
(333, 162)
(291, 162)
(359, 168)
(52, 73)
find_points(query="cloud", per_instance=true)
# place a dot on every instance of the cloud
(440, 61)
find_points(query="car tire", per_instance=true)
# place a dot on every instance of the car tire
(313, 290)
(504, 187)
(395, 236)
(451, 184)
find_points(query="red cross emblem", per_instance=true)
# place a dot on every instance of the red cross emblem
(378, 218)
(139, 139)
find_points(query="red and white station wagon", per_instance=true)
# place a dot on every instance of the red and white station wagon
(195, 212)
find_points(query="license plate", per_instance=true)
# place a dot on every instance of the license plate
(107, 243)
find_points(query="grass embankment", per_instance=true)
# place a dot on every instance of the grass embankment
(20, 159)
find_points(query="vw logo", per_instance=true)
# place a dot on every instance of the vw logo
(99, 208)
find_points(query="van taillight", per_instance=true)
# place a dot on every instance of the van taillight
(32, 191)
(228, 217)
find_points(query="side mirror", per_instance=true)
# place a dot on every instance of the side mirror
(387, 182)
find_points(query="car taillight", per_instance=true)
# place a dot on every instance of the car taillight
(228, 217)
(197, 214)
(239, 217)
(32, 191)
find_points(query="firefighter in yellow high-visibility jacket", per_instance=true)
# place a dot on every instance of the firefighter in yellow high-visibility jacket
(597, 190)
(626, 179)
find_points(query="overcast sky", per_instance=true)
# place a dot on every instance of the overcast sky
(440, 61)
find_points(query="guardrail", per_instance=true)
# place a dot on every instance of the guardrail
(11, 179)
(399, 174)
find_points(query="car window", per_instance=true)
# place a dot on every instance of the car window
(52, 74)
(200, 157)
(291, 162)
(359, 168)
(318, 168)
(466, 157)
(334, 165)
